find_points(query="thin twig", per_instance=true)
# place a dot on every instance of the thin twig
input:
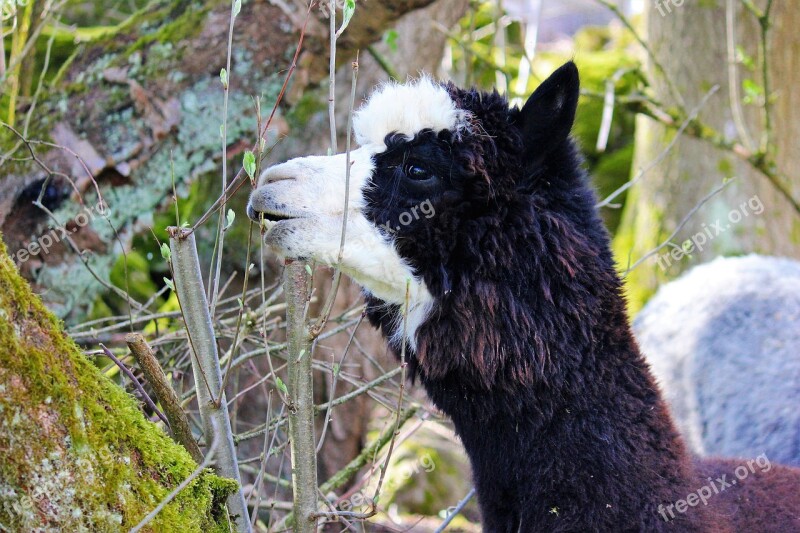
(361, 390)
(403, 366)
(332, 78)
(733, 81)
(337, 274)
(236, 344)
(456, 510)
(624, 187)
(680, 226)
(676, 95)
(146, 397)
(216, 255)
(336, 371)
(383, 63)
(765, 27)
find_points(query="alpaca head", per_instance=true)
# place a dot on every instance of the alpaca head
(434, 160)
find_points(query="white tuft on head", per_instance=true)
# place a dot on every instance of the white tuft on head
(407, 109)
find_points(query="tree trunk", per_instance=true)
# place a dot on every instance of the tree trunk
(749, 215)
(76, 453)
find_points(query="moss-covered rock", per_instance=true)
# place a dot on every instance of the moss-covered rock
(76, 453)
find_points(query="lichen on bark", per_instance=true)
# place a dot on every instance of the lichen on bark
(143, 103)
(76, 453)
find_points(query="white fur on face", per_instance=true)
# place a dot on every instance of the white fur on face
(312, 189)
(407, 109)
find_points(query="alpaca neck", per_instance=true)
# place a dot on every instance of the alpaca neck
(527, 348)
(594, 448)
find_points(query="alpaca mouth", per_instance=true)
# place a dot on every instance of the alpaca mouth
(269, 216)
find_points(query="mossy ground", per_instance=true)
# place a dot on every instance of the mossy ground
(76, 453)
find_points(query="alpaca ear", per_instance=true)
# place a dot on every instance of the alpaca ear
(546, 118)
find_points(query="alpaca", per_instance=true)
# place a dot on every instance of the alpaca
(723, 342)
(515, 324)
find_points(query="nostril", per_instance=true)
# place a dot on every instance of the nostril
(273, 179)
(272, 175)
(252, 213)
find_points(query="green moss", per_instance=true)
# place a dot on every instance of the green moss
(76, 453)
(183, 27)
(311, 103)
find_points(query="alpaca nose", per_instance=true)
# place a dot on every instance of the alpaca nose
(252, 213)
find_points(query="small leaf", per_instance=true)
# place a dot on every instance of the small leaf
(221, 131)
(223, 77)
(185, 225)
(237, 7)
(745, 59)
(347, 14)
(168, 283)
(752, 91)
(262, 144)
(390, 38)
(336, 368)
(231, 216)
(251, 267)
(250, 163)
(166, 253)
(281, 385)
(240, 302)
(308, 269)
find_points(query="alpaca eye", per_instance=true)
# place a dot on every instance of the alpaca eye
(417, 173)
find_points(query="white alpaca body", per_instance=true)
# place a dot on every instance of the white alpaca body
(724, 345)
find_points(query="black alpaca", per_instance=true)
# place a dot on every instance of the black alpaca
(517, 327)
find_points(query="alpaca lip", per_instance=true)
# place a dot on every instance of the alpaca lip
(269, 216)
(277, 217)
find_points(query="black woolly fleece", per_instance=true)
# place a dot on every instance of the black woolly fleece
(527, 346)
